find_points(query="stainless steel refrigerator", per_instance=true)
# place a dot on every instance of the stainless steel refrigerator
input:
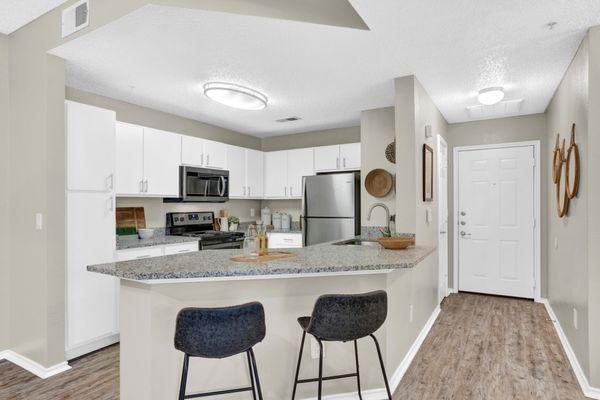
(331, 207)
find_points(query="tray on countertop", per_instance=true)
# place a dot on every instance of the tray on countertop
(275, 255)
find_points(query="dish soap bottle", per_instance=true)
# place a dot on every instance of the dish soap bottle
(251, 242)
(263, 242)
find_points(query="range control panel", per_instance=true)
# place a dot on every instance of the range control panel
(193, 218)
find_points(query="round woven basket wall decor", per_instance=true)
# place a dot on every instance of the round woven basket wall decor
(572, 167)
(556, 159)
(390, 152)
(379, 183)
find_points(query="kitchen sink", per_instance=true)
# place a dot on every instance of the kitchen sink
(357, 242)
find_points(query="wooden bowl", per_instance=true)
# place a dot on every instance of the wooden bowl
(379, 182)
(396, 243)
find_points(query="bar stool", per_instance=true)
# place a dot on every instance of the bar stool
(344, 318)
(220, 333)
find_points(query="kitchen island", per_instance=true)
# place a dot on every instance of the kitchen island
(154, 290)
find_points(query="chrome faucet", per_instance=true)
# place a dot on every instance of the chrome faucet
(386, 232)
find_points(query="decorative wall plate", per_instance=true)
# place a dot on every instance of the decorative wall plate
(379, 182)
(390, 152)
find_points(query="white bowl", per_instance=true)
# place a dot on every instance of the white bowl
(145, 233)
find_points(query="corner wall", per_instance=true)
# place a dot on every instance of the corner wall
(4, 204)
(567, 263)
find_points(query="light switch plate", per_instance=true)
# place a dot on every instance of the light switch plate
(39, 221)
(428, 216)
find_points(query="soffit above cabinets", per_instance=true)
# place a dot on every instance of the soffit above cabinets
(159, 57)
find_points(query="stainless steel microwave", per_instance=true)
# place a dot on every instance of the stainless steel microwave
(202, 185)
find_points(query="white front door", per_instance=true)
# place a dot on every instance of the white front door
(495, 214)
(442, 158)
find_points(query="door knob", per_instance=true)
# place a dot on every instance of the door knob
(463, 213)
(463, 233)
(463, 223)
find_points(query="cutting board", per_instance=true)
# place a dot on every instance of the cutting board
(131, 217)
(274, 255)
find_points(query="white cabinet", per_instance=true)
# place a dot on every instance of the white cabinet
(245, 172)
(327, 158)
(156, 251)
(181, 248)
(350, 156)
(275, 174)
(130, 160)
(90, 147)
(337, 158)
(284, 171)
(147, 162)
(162, 155)
(300, 163)
(237, 171)
(254, 173)
(204, 153)
(290, 240)
(92, 299)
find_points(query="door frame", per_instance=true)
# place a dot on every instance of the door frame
(537, 213)
(442, 282)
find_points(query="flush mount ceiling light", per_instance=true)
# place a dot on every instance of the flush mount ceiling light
(491, 96)
(235, 96)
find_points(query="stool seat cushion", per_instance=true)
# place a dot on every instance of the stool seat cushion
(219, 332)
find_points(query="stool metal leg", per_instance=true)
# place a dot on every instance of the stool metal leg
(184, 373)
(357, 370)
(251, 375)
(320, 369)
(256, 374)
(298, 365)
(387, 385)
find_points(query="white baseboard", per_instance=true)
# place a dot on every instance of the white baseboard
(396, 378)
(588, 391)
(32, 366)
(91, 346)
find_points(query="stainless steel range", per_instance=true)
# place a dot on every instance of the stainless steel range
(201, 225)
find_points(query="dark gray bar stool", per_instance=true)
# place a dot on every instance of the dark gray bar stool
(344, 318)
(220, 333)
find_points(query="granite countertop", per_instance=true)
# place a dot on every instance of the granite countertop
(216, 264)
(132, 241)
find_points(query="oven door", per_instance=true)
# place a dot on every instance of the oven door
(204, 185)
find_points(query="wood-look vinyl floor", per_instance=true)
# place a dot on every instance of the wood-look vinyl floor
(490, 348)
(93, 377)
(480, 348)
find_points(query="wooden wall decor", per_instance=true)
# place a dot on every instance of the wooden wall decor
(565, 172)
(572, 165)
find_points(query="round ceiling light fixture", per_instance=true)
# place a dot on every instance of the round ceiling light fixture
(491, 96)
(235, 96)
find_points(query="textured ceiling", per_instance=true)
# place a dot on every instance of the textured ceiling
(159, 57)
(17, 13)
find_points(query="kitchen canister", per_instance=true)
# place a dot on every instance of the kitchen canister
(277, 221)
(265, 216)
(286, 222)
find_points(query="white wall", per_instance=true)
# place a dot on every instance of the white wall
(377, 130)
(4, 205)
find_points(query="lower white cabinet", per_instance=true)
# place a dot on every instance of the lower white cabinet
(92, 299)
(156, 251)
(280, 240)
(181, 248)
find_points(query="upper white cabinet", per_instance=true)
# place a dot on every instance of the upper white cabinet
(130, 160)
(337, 158)
(147, 162)
(90, 147)
(254, 173)
(276, 174)
(300, 163)
(245, 172)
(350, 156)
(203, 153)
(284, 171)
(162, 155)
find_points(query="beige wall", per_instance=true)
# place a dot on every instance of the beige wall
(377, 130)
(568, 263)
(493, 131)
(593, 168)
(4, 205)
(127, 112)
(312, 139)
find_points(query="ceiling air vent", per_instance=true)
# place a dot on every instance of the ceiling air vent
(289, 119)
(75, 18)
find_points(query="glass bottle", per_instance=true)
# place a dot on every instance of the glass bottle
(251, 243)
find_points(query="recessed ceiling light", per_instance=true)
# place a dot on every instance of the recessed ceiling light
(491, 96)
(235, 96)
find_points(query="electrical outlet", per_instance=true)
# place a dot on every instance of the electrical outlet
(252, 212)
(314, 348)
(39, 221)
(556, 243)
(575, 319)
(411, 313)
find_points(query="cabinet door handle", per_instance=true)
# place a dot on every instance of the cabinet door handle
(145, 185)
(207, 160)
(337, 163)
(286, 191)
(184, 251)
(112, 204)
(344, 162)
(110, 182)
(291, 191)
(141, 257)
(249, 191)
(142, 186)
(244, 190)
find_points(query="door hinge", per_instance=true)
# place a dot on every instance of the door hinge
(533, 162)
(534, 222)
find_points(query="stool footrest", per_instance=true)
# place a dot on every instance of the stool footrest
(328, 378)
(228, 391)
